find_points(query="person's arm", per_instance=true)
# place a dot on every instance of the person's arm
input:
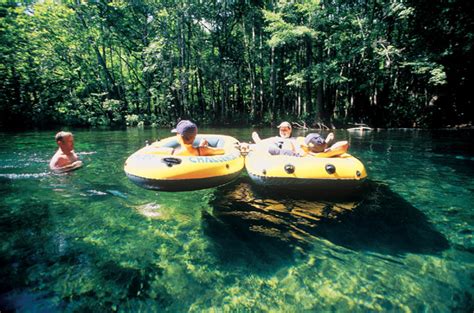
(210, 151)
(204, 149)
(61, 163)
(68, 167)
(303, 150)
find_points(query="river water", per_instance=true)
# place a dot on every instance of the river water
(91, 240)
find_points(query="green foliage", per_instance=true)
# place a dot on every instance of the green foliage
(296, 80)
(438, 76)
(284, 33)
(152, 62)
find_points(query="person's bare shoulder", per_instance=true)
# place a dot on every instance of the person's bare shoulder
(55, 160)
(61, 163)
(59, 160)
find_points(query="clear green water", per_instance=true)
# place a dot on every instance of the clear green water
(91, 240)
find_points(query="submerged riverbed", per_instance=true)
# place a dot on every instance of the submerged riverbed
(91, 240)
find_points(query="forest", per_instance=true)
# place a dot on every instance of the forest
(386, 63)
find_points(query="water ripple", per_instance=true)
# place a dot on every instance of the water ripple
(25, 175)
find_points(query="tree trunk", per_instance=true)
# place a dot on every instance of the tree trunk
(320, 89)
(251, 68)
(309, 88)
(273, 82)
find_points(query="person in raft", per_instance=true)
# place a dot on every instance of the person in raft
(314, 143)
(186, 132)
(65, 159)
(283, 144)
(287, 145)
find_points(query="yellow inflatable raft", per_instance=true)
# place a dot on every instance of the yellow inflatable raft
(335, 171)
(152, 168)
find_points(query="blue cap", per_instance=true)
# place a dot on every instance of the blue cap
(315, 142)
(185, 127)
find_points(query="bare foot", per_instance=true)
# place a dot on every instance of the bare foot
(256, 137)
(330, 137)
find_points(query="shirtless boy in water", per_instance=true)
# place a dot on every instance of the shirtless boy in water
(65, 159)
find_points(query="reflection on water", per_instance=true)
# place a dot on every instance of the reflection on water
(380, 221)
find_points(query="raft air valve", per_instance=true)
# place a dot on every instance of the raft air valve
(331, 169)
(358, 173)
(290, 168)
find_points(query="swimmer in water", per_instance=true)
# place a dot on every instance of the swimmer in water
(65, 159)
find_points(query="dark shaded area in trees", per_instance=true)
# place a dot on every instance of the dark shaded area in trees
(386, 63)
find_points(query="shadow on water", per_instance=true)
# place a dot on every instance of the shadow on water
(250, 227)
(22, 230)
(383, 222)
(44, 269)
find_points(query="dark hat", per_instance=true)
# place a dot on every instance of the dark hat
(185, 127)
(315, 142)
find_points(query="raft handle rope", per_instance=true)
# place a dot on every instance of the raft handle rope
(171, 161)
(244, 148)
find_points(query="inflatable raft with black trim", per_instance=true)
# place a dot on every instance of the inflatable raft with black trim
(152, 169)
(333, 171)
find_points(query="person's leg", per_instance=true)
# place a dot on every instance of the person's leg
(275, 151)
(256, 137)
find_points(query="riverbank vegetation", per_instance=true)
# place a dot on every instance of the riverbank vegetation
(388, 63)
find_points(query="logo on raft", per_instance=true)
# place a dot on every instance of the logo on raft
(192, 159)
(213, 159)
